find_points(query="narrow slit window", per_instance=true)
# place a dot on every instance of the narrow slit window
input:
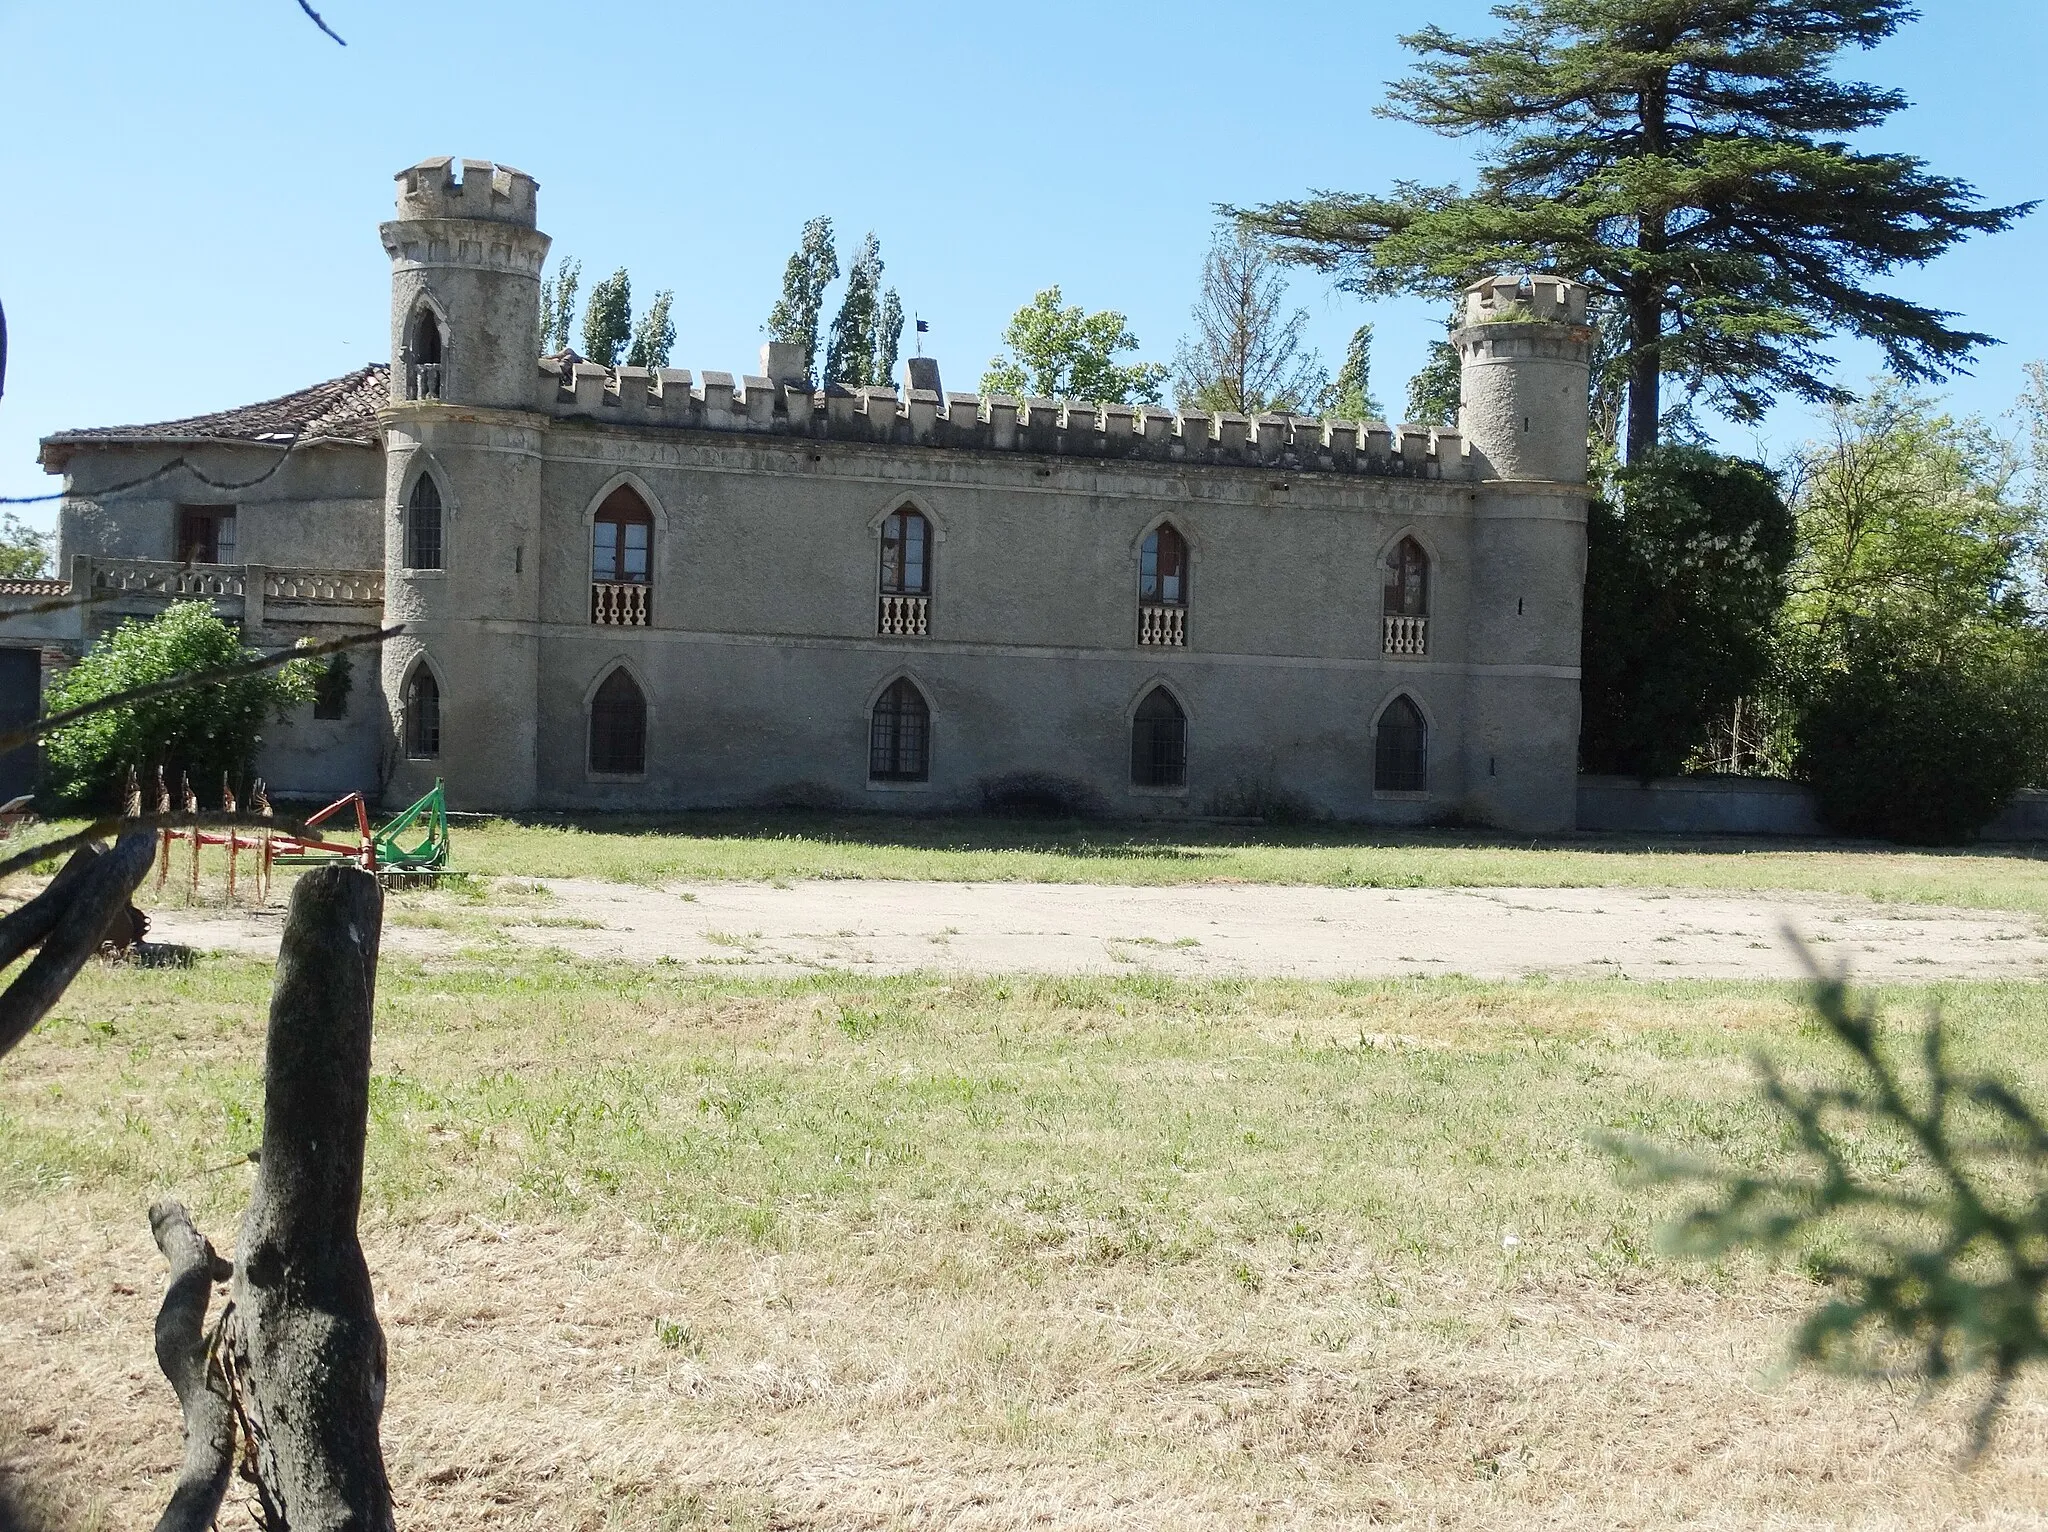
(900, 735)
(1159, 742)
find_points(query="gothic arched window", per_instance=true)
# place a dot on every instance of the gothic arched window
(422, 714)
(1159, 742)
(1163, 589)
(423, 356)
(621, 560)
(1404, 603)
(900, 735)
(618, 727)
(423, 525)
(1401, 749)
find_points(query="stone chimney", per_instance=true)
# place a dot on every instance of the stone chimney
(782, 361)
(924, 374)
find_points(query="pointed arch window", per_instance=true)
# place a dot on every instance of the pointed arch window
(900, 735)
(1159, 742)
(904, 608)
(621, 561)
(1404, 603)
(423, 541)
(422, 715)
(423, 355)
(618, 727)
(1401, 749)
(1163, 589)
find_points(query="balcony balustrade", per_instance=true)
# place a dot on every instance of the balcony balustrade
(1407, 635)
(1162, 627)
(904, 617)
(618, 605)
(426, 380)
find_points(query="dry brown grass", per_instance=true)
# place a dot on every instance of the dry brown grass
(656, 1251)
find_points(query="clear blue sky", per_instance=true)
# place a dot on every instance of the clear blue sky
(191, 191)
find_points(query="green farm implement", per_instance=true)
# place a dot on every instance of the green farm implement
(412, 846)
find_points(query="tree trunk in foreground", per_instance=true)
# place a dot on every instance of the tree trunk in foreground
(183, 1352)
(308, 1352)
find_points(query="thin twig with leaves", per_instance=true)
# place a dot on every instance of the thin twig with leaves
(1939, 1267)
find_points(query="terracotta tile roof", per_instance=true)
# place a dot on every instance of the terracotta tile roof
(342, 409)
(35, 587)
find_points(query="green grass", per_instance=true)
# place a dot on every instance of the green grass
(765, 848)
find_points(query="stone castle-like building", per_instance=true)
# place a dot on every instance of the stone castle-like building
(625, 589)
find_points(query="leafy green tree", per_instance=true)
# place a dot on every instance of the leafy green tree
(1067, 353)
(654, 335)
(206, 731)
(812, 267)
(1911, 647)
(1691, 158)
(888, 338)
(608, 319)
(1349, 397)
(558, 306)
(1685, 572)
(1246, 354)
(1435, 392)
(850, 355)
(24, 552)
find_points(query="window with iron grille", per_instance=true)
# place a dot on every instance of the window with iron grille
(423, 525)
(422, 715)
(206, 534)
(1159, 742)
(899, 737)
(618, 727)
(1401, 749)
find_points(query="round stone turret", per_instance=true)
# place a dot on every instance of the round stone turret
(1525, 352)
(465, 284)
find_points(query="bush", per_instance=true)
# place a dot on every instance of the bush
(207, 731)
(1684, 580)
(1915, 744)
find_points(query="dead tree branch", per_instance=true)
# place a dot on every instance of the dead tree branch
(101, 892)
(186, 1359)
(307, 1346)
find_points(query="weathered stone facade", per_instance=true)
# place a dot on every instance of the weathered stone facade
(759, 625)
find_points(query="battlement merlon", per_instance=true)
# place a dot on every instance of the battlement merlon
(1525, 299)
(485, 192)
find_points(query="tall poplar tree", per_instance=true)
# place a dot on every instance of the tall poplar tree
(1689, 160)
(608, 319)
(812, 267)
(851, 355)
(654, 333)
(888, 339)
(558, 306)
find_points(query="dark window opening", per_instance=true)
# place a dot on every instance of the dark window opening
(423, 525)
(622, 541)
(1159, 742)
(618, 727)
(422, 715)
(899, 738)
(331, 689)
(906, 554)
(206, 534)
(1407, 588)
(426, 371)
(1401, 749)
(1163, 568)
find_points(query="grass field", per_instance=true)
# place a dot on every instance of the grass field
(662, 1251)
(712, 847)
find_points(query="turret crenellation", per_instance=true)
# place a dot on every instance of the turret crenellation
(484, 191)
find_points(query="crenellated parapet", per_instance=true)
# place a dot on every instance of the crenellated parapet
(483, 191)
(675, 398)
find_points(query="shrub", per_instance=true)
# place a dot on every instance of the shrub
(208, 731)
(1916, 744)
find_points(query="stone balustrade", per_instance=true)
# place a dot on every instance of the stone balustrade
(904, 617)
(1162, 627)
(353, 587)
(1407, 635)
(618, 605)
(175, 582)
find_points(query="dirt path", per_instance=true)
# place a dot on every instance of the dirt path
(1219, 931)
